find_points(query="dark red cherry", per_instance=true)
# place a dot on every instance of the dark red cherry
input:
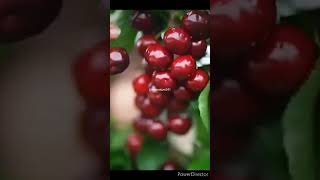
(183, 67)
(198, 81)
(150, 110)
(157, 130)
(158, 57)
(142, 124)
(170, 166)
(199, 49)
(239, 25)
(197, 24)
(164, 80)
(141, 84)
(91, 74)
(139, 101)
(179, 125)
(119, 60)
(143, 21)
(158, 96)
(176, 106)
(144, 42)
(134, 144)
(282, 63)
(183, 94)
(177, 41)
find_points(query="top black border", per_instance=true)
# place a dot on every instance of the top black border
(158, 4)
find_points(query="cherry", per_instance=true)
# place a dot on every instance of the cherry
(170, 166)
(148, 109)
(139, 100)
(143, 21)
(135, 143)
(183, 94)
(157, 96)
(23, 19)
(141, 84)
(144, 42)
(282, 63)
(158, 57)
(142, 124)
(197, 23)
(238, 25)
(199, 49)
(233, 104)
(176, 106)
(91, 75)
(164, 80)
(179, 125)
(177, 41)
(157, 130)
(183, 67)
(119, 60)
(198, 81)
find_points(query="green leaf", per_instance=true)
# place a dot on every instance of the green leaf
(201, 161)
(153, 155)
(204, 105)
(203, 135)
(299, 133)
(122, 18)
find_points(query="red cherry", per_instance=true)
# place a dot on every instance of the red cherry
(170, 166)
(135, 143)
(141, 84)
(282, 63)
(176, 106)
(157, 130)
(143, 21)
(158, 57)
(139, 101)
(119, 60)
(199, 49)
(150, 110)
(179, 125)
(197, 23)
(91, 75)
(177, 41)
(157, 96)
(164, 80)
(142, 124)
(183, 67)
(144, 42)
(183, 94)
(198, 81)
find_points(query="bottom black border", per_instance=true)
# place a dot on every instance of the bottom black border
(152, 175)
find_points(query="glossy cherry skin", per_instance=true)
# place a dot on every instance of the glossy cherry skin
(143, 21)
(150, 110)
(183, 67)
(179, 125)
(199, 49)
(119, 60)
(164, 80)
(282, 63)
(141, 84)
(238, 25)
(198, 81)
(234, 105)
(144, 42)
(183, 94)
(158, 130)
(176, 106)
(197, 24)
(158, 96)
(142, 124)
(170, 166)
(177, 41)
(24, 19)
(91, 74)
(134, 144)
(158, 57)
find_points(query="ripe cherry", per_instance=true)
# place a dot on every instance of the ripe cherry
(91, 74)
(197, 23)
(139, 101)
(170, 166)
(198, 81)
(157, 130)
(183, 94)
(183, 67)
(164, 80)
(199, 49)
(150, 110)
(176, 106)
(23, 19)
(158, 57)
(141, 84)
(177, 41)
(238, 25)
(142, 124)
(144, 42)
(119, 60)
(143, 21)
(135, 144)
(157, 96)
(282, 63)
(179, 125)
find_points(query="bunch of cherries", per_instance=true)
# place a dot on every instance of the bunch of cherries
(171, 79)
(258, 65)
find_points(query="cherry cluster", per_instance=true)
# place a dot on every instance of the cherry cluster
(171, 79)
(259, 64)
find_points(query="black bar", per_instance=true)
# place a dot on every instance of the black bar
(153, 175)
(159, 4)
